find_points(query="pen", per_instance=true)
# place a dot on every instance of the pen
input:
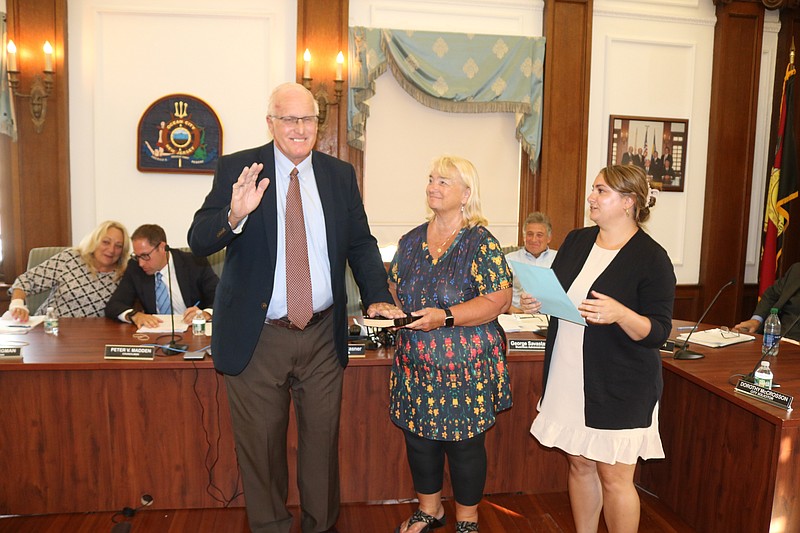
(18, 326)
(684, 328)
(196, 303)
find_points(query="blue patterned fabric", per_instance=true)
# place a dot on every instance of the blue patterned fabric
(162, 296)
(454, 72)
(8, 125)
(449, 383)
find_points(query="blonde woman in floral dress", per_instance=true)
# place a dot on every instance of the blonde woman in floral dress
(449, 377)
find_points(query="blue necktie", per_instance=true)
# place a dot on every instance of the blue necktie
(162, 296)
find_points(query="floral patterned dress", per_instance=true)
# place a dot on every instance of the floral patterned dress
(449, 383)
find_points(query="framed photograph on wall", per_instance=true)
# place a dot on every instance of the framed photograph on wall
(658, 145)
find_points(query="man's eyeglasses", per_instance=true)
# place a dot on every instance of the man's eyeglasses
(726, 333)
(145, 257)
(291, 121)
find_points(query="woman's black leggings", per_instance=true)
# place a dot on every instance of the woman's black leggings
(467, 460)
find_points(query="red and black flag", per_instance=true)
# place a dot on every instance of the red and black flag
(782, 185)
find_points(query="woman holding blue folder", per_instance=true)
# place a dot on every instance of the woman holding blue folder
(602, 381)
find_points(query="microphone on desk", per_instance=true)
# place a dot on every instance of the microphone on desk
(752, 375)
(174, 347)
(683, 352)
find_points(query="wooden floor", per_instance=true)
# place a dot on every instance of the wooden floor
(546, 513)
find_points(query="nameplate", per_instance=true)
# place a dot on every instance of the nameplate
(132, 352)
(772, 397)
(10, 353)
(356, 350)
(527, 345)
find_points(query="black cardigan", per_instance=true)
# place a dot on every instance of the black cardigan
(622, 377)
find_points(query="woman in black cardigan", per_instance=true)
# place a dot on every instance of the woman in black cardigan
(602, 381)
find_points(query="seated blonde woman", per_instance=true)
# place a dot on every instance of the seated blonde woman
(80, 280)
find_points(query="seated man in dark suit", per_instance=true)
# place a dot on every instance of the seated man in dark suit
(783, 294)
(154, 272)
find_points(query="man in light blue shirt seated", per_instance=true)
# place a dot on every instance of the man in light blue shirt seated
(538, 232)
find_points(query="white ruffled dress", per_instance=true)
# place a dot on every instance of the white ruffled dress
(560, 422)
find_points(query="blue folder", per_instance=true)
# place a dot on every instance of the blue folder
(542, 284)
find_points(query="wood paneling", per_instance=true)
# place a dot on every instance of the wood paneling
(731, 461)
(687, 302)
(37, 173)
(322, 27)
(560, 184)
(734, 95)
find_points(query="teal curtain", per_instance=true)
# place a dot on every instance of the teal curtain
(7, 124)
(455, 72)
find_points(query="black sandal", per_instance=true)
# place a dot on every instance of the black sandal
(466, 527)
(431, 522)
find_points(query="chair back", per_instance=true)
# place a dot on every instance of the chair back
(353, 294)
(36, 256)
(216, 260)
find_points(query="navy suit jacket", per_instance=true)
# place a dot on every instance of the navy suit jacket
(194, 276)
(248, 275)
(785, 295)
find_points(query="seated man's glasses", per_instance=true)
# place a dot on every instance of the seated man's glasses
(291, 121)
(146, 256)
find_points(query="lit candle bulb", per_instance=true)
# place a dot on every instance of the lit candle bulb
(48, 56)
(307, 64)
(12, 55)
(339, 63)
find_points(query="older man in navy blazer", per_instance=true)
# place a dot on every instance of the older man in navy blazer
(266, 356)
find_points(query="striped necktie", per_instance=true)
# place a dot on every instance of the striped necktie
(299, 299)
(162, 296)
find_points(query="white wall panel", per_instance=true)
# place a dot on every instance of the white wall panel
(397, 164)
(657, 64)
(123, 57)
(762, 158)
(403, 136)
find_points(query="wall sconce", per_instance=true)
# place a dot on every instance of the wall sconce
(322, 93)
(41, 87)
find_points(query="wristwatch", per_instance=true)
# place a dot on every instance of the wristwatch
(130, 316)
(449, 321)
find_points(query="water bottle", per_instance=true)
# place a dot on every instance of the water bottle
(199, 323)
(772, 333)
(51, 322)
(763, 376)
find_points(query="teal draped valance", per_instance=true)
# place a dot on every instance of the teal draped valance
(455, 72)
(7, 125)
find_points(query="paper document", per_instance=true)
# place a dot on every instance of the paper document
(11, 326)
(716, 338)
(542, 284)
(166, 325)
(523, 322)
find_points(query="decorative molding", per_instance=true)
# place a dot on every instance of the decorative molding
(769, 4)
(656, 17)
